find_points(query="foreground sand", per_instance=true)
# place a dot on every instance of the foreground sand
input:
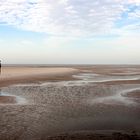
(68, 109)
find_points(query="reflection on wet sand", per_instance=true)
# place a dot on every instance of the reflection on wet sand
(104, 78)
(118, 98)
(10, 99)
(6, 99)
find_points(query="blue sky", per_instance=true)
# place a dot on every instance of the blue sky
(70, 31)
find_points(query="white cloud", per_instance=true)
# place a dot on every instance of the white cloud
(64, 17)
(137, 2)
(135, 15)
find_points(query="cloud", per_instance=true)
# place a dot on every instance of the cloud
(64, 17)
(137, 2)
(135, 14)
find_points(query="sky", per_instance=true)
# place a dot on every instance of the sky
(70, 31)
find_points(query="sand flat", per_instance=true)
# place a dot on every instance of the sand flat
(8, 72)
(13, 75)
(66, 108)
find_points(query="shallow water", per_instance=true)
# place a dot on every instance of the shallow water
(19, 100)
(85, 79)
(104, 78)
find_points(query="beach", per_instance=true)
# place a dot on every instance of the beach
(96, 102)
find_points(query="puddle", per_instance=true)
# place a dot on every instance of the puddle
(119, 97)
(11, 99)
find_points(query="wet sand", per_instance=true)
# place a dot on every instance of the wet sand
(95, 135)
(85, 108)
(135, 94)
(7, 100)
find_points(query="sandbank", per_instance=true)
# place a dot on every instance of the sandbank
(16, 75)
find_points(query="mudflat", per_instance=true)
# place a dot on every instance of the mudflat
(79, 103)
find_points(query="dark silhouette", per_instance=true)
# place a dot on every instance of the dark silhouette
(0, 74)
(0, 66)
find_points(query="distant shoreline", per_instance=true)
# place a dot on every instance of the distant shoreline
(66, 65)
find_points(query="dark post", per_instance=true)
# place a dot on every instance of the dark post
(0, 74)
(0, 67)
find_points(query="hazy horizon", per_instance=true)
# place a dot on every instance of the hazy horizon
(70, 32)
